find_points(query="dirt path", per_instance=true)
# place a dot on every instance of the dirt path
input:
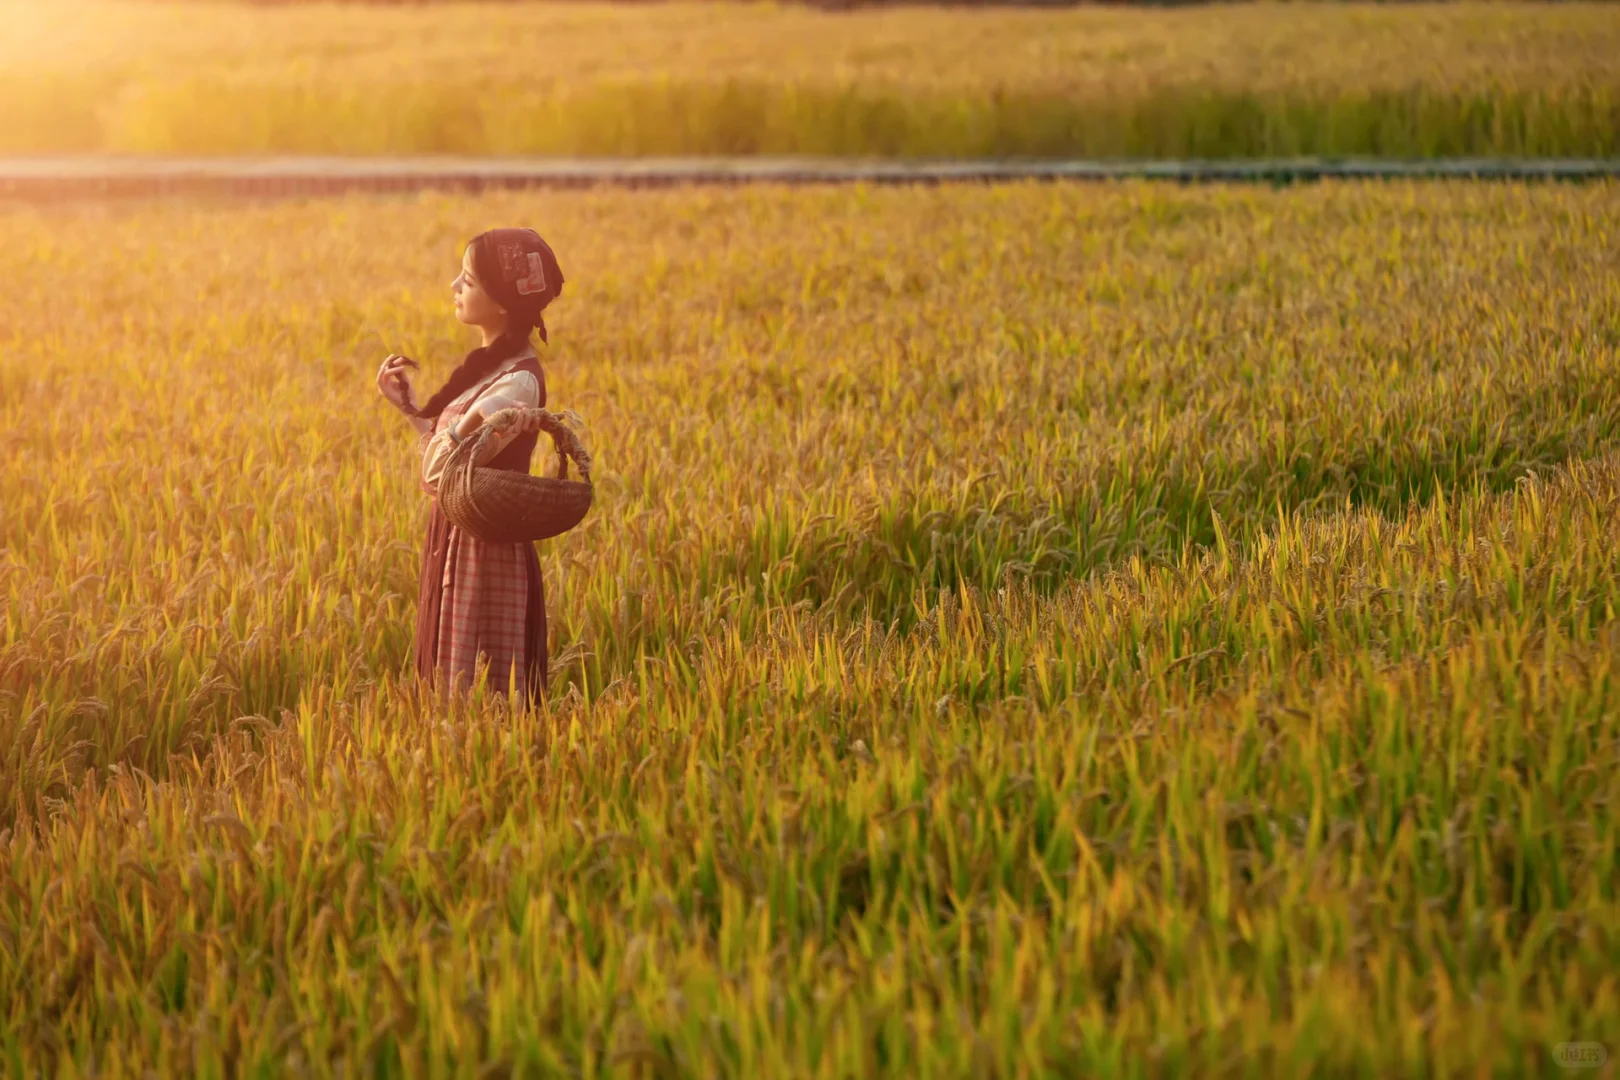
(48, 179)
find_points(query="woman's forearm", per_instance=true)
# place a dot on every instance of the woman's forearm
(470, 421)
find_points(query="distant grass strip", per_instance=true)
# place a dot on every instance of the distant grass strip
(683, 79)
(731, 118)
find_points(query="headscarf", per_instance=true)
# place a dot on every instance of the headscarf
(519, 271)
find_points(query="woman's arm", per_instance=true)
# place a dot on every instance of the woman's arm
(517, 390)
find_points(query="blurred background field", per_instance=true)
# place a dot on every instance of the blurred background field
(1024, 630)
(1245, 80)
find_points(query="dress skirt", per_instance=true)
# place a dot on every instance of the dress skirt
(480, 604)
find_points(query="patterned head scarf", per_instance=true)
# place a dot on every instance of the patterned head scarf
(519, 270)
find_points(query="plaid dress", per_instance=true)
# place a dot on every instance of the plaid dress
(482, 604)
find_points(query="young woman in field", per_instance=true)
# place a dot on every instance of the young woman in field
(482, 603)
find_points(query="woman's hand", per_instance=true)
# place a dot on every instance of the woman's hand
(394, 383)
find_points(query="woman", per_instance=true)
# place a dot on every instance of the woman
(483, 603)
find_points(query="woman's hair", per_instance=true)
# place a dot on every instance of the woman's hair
(523, 317)
(478, 364)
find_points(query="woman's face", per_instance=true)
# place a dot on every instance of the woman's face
(474, 306)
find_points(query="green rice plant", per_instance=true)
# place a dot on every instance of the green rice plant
(1254, 80)
(1022, 630)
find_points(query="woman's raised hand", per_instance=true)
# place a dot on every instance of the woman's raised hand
(394, 383)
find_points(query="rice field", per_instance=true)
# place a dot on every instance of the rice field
(1117, 631)
(1227, 80)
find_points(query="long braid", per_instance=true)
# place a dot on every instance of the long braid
(476, 367)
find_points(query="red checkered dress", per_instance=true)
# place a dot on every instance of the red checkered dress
(482, 604)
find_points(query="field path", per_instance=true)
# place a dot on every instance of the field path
(47, 179)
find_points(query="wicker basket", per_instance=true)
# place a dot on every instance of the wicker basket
(500, 506)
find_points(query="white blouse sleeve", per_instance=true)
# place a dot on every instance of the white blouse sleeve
(435, 449)
(519, 389)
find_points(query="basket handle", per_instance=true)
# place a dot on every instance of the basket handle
(523, 421)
